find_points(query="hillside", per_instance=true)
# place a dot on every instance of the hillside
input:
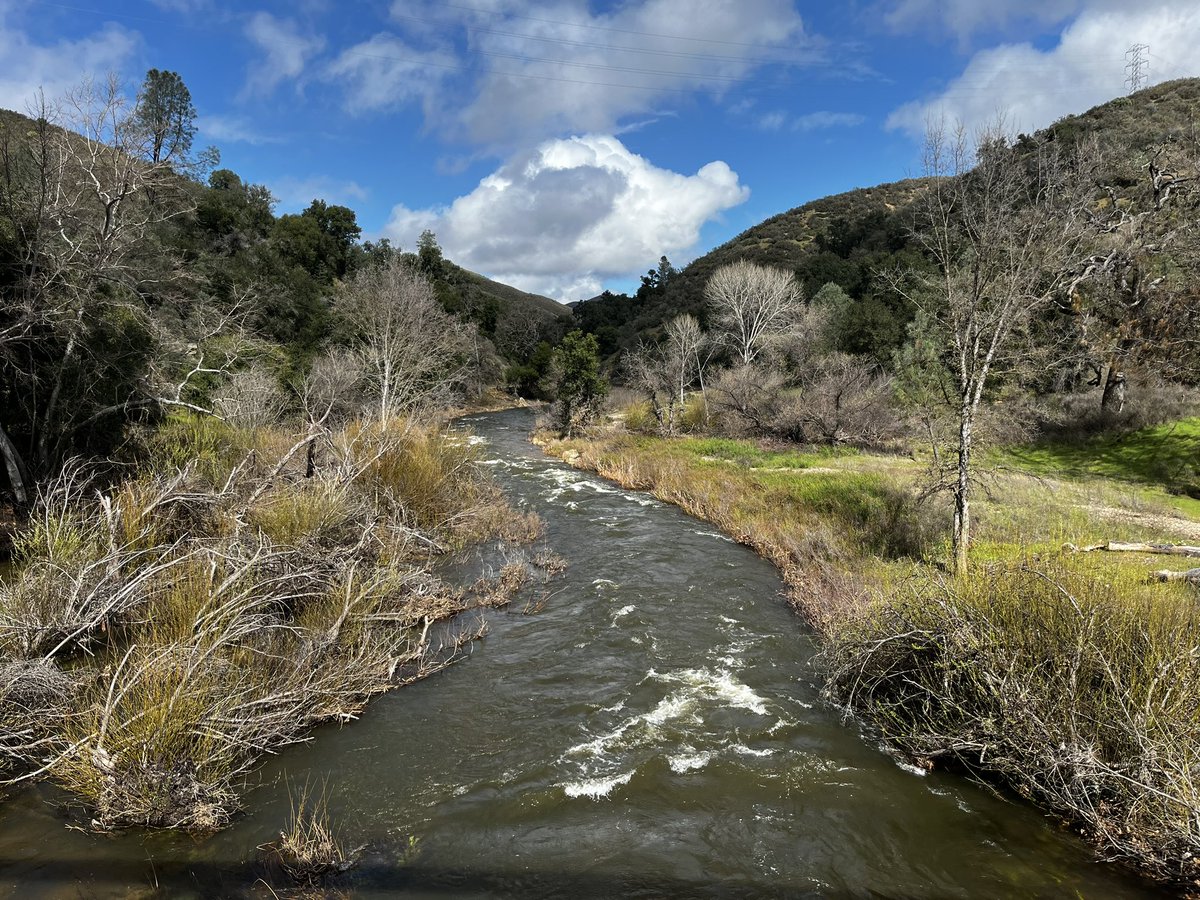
(844, 239)
(841, 239)
(233, 237)
(533, 304)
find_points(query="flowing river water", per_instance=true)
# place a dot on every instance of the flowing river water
(654, 730)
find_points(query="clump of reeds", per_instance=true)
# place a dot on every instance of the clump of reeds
(309, 851)
(1078, 692)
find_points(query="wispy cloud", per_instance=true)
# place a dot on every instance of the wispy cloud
(825, 119)
(814, 121)
(27, 66)
(385, 72)
(964, 18)
(285, 48)
(234, 130)
(523, 71)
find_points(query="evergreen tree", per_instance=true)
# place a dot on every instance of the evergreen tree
(581, 387)
(164, 109)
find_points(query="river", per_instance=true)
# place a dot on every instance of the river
(654, 730)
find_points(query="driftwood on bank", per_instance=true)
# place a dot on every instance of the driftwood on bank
(1137, 547)
(1190, 575)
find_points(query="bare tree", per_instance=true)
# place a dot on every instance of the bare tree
(748, 396)
(413, 352)
(1001, 228)
(752, 306)
(252, 398)
(689, 349)
(77, 336)
(666, 371)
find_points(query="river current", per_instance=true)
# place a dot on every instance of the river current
(654, 730)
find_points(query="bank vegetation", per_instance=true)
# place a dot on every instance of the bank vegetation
(226, 479)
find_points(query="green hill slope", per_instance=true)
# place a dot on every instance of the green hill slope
(847, 238)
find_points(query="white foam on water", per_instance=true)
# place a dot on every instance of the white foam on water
(727, 620)
(614, 709)
(722, 686)
(596, 788)
(597, 486)
(597, 581)
(743, 750)
(599, 746)
(673, 706)
(909, 767)
(689, 762)
(715, 534)
(476, 439)
(623, 611)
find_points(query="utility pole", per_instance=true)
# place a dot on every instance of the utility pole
(1138, 67)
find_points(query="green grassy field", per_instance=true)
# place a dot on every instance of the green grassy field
(1165, 456)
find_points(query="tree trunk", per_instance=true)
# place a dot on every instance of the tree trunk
(962, 494)
(41, 457)
(1113, 398)
(15, 467)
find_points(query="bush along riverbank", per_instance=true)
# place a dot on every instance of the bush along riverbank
(1065, 675)
(161, 631)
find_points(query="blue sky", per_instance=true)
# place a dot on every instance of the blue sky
(564, 146)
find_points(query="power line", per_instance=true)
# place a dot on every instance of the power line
(673, 37)
(680, 54)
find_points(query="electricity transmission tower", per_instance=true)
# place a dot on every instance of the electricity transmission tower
(1138, 67)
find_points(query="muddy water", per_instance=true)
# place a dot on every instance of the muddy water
(655, 730)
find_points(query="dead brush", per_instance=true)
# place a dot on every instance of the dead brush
(550, 562)
(498, 590)
(1078, 692)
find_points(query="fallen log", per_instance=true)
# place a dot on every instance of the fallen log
(1138, 547)
(1190, 575)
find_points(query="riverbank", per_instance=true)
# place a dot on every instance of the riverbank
(161, 631)
(1064, 674)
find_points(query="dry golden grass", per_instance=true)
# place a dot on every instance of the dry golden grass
(166, 631)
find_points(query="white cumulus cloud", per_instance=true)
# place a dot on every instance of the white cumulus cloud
(1034, 87)
(562, 218)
